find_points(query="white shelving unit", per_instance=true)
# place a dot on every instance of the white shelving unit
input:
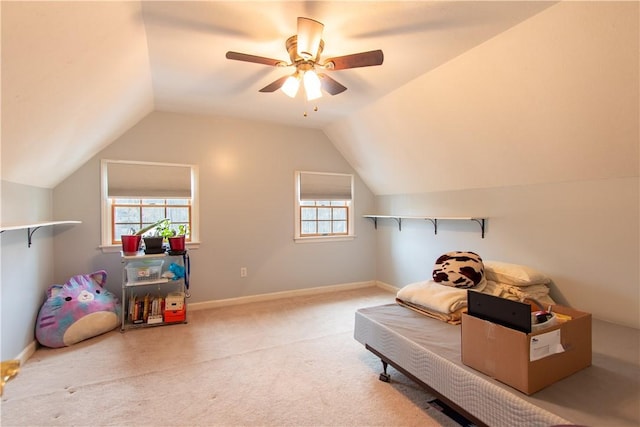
(142, 275)
(32, 227)
(433, 220)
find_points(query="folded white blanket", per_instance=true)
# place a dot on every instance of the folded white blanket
(446, 299)
(539, 293)
(454, 318)
(433, 296)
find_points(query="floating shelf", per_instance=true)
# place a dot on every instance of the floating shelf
(31, 228)
(433, 220)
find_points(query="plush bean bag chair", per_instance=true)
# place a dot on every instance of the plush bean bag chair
(80, 309)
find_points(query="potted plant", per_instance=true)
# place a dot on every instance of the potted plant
(131, 241)
(177, 240)
(153, 242)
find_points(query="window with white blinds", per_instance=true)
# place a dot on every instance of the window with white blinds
(137, 194)
(323, 205)
(148, 180)
(325, 186)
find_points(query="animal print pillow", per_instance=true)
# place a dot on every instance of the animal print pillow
(459, 269)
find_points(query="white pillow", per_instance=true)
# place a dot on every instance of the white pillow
(514, 274)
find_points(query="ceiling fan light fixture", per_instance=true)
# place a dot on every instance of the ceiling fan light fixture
(309, 37)
(305, 49)
(291, 85)
(312, 85)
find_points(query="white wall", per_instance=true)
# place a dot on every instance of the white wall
(246, 212)
(537, 128)
(27, 272)
(584, 235)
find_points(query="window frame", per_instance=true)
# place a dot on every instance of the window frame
(317, 206)
(141, 206)
(350, 205)
(106, 239)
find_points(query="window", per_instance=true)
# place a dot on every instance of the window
(137, 194)
(324, 205)
(134, 214)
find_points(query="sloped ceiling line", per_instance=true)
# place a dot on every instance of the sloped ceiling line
(125, 59)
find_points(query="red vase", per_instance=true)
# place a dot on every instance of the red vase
(130, 244)
(177, 243)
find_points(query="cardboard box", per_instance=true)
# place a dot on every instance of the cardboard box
(509, 355)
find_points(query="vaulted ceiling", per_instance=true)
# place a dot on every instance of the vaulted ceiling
(76, 75)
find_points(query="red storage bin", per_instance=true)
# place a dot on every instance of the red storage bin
(172, 316)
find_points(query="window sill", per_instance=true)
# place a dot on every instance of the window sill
(322, 239)
(107, 249)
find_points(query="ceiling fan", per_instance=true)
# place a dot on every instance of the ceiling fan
(304, 50)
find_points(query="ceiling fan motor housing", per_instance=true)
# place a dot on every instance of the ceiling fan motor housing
(292, 47)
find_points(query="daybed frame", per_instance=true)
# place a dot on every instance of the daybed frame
(428, 351)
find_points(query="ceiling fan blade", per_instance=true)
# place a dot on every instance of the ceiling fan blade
(330, 85)
(272, 87)
(309, 37)
(256, 59)
(363, 59)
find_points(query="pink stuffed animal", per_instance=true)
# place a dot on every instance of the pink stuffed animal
(77, 310)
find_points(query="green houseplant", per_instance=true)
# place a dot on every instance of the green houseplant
(153, 244)
(131, 241)
(178, 238)
(153, 235)
(156, 225)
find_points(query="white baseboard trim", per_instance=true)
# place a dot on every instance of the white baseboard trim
(387, 287)
(278, 295)
(27, 352)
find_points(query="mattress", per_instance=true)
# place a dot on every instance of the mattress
(607, 393)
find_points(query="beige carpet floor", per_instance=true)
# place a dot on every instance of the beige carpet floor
(287, 362)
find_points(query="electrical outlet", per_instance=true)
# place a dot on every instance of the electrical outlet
(243, 271)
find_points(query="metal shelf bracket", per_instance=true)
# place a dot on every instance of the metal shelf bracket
(375, 221)
(30, 232)
(434, 221)
(481, 222)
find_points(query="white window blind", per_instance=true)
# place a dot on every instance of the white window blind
(148, 180)
(325, 186)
